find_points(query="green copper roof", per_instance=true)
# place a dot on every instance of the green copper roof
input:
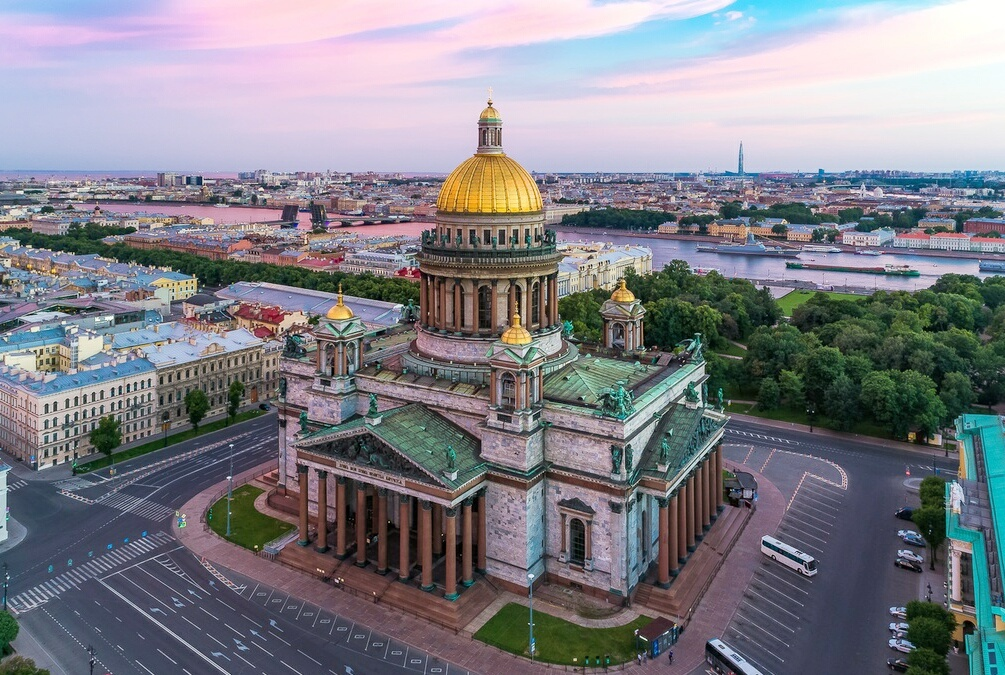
(689, 437)
(584, 381)
(414, 433)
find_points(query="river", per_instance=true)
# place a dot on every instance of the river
(758, 268)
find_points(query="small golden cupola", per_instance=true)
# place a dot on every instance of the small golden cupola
(339, 312)
(622, 294)
(516, 334)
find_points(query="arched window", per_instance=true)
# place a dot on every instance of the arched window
(484, 307)
(577, 541)
(535, 304)
(45, 423)
(76, 401)
(46, 408)
(463, 317)
(518, 299)
(618, 335)
(350, 358)
(507, 396)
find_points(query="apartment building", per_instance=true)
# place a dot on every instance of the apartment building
(49, 416)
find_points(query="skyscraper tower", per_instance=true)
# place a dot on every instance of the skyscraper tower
(739, 168)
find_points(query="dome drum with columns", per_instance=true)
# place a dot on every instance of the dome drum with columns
(488, 259)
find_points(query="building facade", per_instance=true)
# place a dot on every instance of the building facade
(490, 443)
(50, 416)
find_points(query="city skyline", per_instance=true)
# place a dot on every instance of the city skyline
(670, 85)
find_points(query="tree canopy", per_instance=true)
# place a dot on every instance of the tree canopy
(196, 405)
(618, 219)
(234, 396)
(107, 435)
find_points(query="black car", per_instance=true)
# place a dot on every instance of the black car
(908, 564)
(899, 665)
(264, 406)
(905, 513)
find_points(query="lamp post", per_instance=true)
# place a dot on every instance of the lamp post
(166, 424)
(530, 589)
(810, 411)
(6, 583)
(230, 487)
(92, 660)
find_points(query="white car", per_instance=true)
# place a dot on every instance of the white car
(908, 554)
(908, 533)
(901, 645)
(894, 627)
(899, 612)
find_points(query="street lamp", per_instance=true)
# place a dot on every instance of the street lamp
(6, 583)
(810, 411)
(230, 487)
(90, 651)
(530, 588)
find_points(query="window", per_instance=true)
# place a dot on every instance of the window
(46, 408)
(535, 304)
(507, 384)
(484, 307)
(502, 237)
(518, 309)
(577, 541)
(486, 237)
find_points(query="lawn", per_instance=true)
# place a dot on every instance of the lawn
(790, 301)
(559, 641)
(160, 443)
(248, 527)
(732, 349)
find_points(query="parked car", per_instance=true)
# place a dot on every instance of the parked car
(263, 406)
(898, 626)
(908, 565)
(898, 665)
(898, 612)
(901, 645)
(914, 540)
(907, 533)
(908, 554)
(905, 513)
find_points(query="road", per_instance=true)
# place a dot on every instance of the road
(842, 495)
(101, 568)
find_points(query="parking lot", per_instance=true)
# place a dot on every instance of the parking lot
(773, 622)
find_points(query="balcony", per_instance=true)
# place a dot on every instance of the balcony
(444, 251)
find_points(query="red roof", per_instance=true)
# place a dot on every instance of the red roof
(262, 332)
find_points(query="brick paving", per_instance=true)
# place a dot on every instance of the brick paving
(710, 618)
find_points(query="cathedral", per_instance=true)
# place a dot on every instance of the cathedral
(492, 444)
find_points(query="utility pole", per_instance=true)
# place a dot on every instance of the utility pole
(90, 651)
(6, 583)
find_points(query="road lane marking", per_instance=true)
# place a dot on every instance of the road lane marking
(772, 602)
(309, 657)
(163, 627)
(290, 667)
(167, 657)
(262, 648)
(765, 570)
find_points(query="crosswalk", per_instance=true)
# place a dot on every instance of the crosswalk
(139, 506)
(72, 578)
(15, 484)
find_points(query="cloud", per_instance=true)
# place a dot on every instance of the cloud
(733, 16)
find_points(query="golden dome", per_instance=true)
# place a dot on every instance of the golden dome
(516, 334)
(490, 113)
(489, 183)
(622, 294)
(339, 312)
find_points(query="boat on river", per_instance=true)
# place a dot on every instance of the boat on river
(818, 248)
(991, 265)
(889, 270)
(749, 247)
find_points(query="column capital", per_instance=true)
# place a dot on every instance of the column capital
(451, 512)
(381, 492)
(468, 501)
(663, 502)
(322, 474)
(404, 499)
(341, 480)
(302, 468)
(427, 505)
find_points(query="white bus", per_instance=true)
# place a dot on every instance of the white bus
(788, 556)
(724, 659)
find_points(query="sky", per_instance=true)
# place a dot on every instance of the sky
(601, 85)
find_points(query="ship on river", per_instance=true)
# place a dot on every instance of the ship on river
(749, 247)
(991, 265)
(818, 248)
(890, 270)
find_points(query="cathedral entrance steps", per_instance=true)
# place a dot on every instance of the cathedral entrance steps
(362, 581)
(288, 503)
(434, 608)
(687, 588)
(270, 480)
(306, 559)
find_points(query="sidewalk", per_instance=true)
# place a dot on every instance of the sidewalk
(712, 615)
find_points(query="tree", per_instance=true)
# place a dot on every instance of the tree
(932, 491)
(790, 386)
(821, 367)
(768, 396)
(928, 633)
(931, 522)
(841, 402)
(196, 405)
(20, 665)
(924, 660)
(779, 229)
(8, 630)
(107, 435)
(920, 608)
(234, 396)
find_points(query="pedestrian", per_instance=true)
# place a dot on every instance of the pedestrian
(671, 656)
